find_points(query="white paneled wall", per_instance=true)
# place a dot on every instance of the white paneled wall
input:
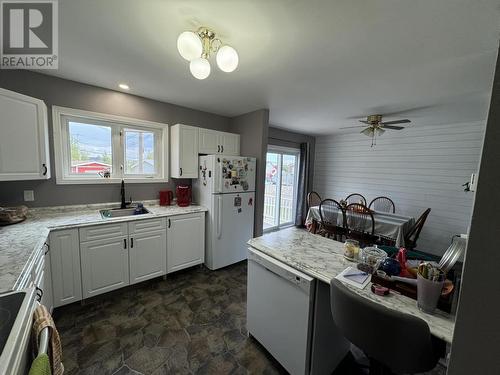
(419, 167)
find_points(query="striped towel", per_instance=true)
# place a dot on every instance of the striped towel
(42, 319)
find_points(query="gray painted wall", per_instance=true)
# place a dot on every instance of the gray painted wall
(476, 340)
(418, 167)
(62, 92)
(285, 138)
(253, 128)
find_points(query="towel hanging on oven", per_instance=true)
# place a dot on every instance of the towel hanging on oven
(46, 339)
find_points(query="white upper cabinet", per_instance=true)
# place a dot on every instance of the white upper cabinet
(230, 143)
(184, 151)
(209, 142)
(24, 146)
(215, 142)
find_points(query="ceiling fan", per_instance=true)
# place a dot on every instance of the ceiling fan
(376, 127)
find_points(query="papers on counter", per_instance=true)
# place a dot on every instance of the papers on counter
(354, 277)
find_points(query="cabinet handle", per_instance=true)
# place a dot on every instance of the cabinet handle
(180, 171)
(124, 243)
(44, 166)
(218, 148)
(169, 223)
(132, 243)
(47, 248)
(222, 148)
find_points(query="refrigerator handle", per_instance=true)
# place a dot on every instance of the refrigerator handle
(219, 217)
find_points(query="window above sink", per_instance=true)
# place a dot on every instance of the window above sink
(95, 148)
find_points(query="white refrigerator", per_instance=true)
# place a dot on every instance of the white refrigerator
(226, 186)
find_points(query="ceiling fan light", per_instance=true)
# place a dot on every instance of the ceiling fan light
(227, 59)
(200, 68)
(189, 45)
(368, 132)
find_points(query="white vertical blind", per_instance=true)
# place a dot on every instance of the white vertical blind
(419, 167)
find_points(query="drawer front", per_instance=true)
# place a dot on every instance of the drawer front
(143, 226)
(104, 231)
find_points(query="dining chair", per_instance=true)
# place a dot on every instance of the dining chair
(360, 224)
(332, 219)
(313, 199)
(383, 204)
(412, 236)
(394, 342)
(355, 198)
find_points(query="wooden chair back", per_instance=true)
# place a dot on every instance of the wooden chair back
(313, 199)
(355, 198)
(360, 223)
(332, 218)
(412, 236)
(383, 204)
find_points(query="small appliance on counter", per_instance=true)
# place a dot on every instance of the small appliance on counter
(166, 197)
(183, 193)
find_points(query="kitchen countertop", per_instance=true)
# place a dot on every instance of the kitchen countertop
(323, 259)
(19, 242)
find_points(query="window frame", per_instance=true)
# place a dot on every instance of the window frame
(281, 150)
(61, 116)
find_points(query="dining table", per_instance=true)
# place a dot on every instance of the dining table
(390, 226)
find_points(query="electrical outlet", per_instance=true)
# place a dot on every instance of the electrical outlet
(29, 195)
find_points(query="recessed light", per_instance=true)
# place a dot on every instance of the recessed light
(123, 86)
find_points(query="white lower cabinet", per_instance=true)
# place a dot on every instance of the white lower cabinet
(97, 259)
(147, 255)
(65, 267)
(185, 241)
(104, 265)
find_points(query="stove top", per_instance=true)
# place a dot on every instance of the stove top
(9, 307)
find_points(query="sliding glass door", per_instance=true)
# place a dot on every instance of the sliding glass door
(281, 187)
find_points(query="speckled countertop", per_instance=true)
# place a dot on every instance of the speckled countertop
(322, 258)
(19, 242)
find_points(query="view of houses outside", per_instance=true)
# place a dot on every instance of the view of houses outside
(91, 150)
(279, 179)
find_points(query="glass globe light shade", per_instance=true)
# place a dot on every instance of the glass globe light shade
(227, 59)
(200, 68)
(189, 45)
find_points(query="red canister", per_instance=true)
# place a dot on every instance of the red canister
(183, 193)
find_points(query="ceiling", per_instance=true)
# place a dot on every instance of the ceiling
(317, 65)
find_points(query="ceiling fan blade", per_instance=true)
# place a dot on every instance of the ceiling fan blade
(404, 121)
(364, 122)
(393, 127)
(350, 127)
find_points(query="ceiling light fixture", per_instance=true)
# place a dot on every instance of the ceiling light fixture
(196, 48)
(123, 86)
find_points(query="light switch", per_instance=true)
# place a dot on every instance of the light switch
(29, 195)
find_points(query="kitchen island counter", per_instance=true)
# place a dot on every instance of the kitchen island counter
(323, 259)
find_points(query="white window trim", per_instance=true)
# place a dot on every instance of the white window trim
(291, 151)
(61, 146)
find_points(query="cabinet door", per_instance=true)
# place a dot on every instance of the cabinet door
(230, 144)
(47, 298)
(65, 267)
(185, 241)
(147, 255)
(209, 142)
(104, 265)
(184, 151)
(24, 147)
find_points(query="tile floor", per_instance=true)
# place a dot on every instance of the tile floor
(191, 323)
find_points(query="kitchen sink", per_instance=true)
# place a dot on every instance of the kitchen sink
(122, 212)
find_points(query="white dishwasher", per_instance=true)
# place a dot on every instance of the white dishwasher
(279, 310)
